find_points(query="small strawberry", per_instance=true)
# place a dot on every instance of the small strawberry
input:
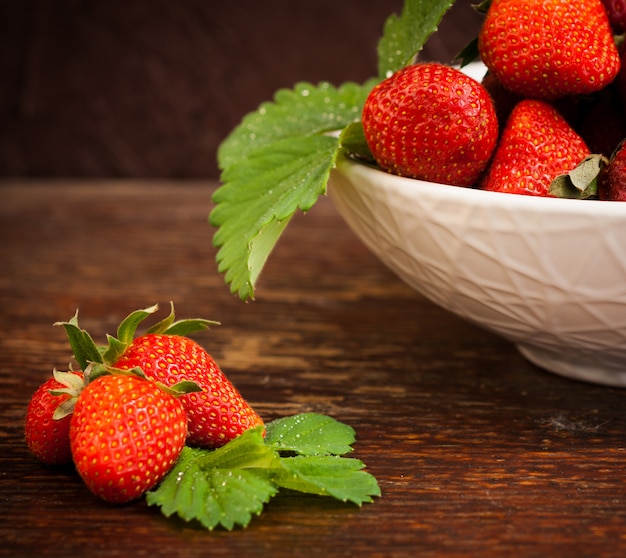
(537, 145)
(217, 413)
(126, 433)
(547, 49)
(612, 179)
(432, 122)
(48, 417)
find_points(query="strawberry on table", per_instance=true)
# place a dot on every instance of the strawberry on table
(126, 433)
(217, 412)
(547, 49)
(48, 417)
(431, 121)
(537, 145)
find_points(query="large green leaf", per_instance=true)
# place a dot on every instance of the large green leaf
(279, 158)
(328, 475)
(229, 485)
(212, 496)
(275, 162)
(310, 434)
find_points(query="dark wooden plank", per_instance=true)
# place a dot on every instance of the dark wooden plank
(477, 451)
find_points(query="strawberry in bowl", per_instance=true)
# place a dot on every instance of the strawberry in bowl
(488, 192)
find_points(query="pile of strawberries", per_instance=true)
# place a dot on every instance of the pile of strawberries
(553, 97)
(124, 419)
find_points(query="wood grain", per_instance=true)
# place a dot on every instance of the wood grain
(478, 452)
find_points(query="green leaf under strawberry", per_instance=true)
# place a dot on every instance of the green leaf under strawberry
(227, 487)
(125, 430)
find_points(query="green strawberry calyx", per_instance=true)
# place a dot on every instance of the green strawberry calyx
(96, 361)
(73, 384)
(86, 351)
(95, 370)
(582, 181)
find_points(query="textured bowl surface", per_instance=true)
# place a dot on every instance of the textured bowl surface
(547, 274)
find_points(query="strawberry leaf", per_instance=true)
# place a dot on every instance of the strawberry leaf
(169, 326)
(279, 158)
(275, 162)
(328, 475)
(247, 451)
(73, 385)
(310, 434)
(582, 181)
(353, 140)
(127, 328)
(114, 349)
(227, 486)
(214, 497)
(83, 346)
(405, 35)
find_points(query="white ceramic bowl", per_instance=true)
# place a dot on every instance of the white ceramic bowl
(547, 274)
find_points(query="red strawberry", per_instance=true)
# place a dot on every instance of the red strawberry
(612, 179)
(537, 145)
(432, 122)
(547, 49)
(125, 434)
(48, 418)
(616, 10)
(218, 413)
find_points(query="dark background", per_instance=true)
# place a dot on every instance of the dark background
(149, 88)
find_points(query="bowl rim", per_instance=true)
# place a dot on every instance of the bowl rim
(411, 187)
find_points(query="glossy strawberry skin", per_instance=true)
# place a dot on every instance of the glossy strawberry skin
(218, 413)
(432, 122)
(125, 434)
(48, 439)
(537, 145)
(548, 49)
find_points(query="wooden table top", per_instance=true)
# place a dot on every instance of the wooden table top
(477, 451)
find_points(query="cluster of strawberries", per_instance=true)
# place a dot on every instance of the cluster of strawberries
(124, 419)
(552, 96)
